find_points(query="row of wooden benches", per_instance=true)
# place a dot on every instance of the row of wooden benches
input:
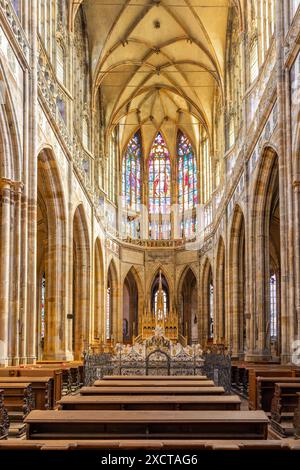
(34, 387)
(164, 407)
(274, 390)
(144, 408)
(244, 374)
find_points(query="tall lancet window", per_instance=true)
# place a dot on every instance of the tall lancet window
(160, 301)
(132, 184)
(108, 312)
(211, 310)
(187, 185)
(131, 174)
(273, 307)
(43, 316)
(159, 190)
(160, 297)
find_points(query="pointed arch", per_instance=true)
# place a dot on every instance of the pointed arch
(132, 305)
(159, 168)
(98, 292)
(81, 282)
(155, 273)
(265, 231)
(51, 260)
(206, 308)
(220, 301)
(237, 276)
(112, 299)
(166, 293)
(188, 305)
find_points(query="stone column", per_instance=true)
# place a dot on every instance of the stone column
(4, 269)
(15, 271)
(30, 313)
(296, 188)
(285, 196)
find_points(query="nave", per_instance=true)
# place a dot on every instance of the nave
(149, 224)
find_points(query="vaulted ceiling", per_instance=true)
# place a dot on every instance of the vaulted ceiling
(159, 64)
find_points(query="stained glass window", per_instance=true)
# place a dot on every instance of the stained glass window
(187, 185)
(273, 307)
(131, 174)
(43, 300)
(164, 304)
(160, 190)
(108, 313)
(211, 310)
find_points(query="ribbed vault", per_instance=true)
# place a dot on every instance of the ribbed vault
(158, 64)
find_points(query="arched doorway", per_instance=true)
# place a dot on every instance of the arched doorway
(81, 283)
(131, 300)
(237, 278)
(188, 306)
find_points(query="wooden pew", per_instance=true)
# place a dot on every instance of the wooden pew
(18, 400)
(265, 388)
(66, 380)
(157, 378)
(152, 390)
(149, 402)
(240, 371)
(267, 372)
(75, 366)
(284, 404)
(146, 424)
(4, 419)
(153, 383)
(42, 389)
(296, 420)
(27, 371)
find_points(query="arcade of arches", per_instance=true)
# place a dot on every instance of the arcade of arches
(149, 164)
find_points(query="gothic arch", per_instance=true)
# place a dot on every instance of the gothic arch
(220, 324)
(187, 302)
(152, 278)
(236, 331)
(98, 291)
(133, 304)
(112, 303)
(52, 257)
(81, 282)
(206, 278)
(264, 207)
